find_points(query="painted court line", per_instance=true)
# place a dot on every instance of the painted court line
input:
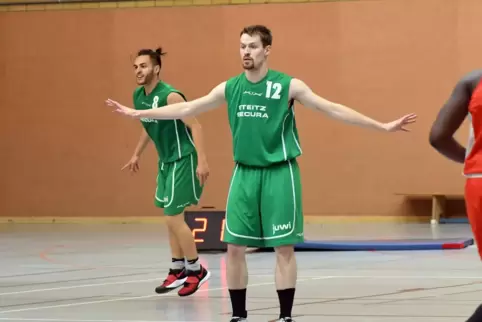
(382, 276)
(142, 297)
(93, 285)
(406, 277)
(254, 275)
(77, 320)
(78, 286)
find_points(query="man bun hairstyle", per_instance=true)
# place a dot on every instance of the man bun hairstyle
(154, 55)
(262, 31)
(160, 52)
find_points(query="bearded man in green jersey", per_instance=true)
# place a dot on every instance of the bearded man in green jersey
(264, 206)
(182, 171)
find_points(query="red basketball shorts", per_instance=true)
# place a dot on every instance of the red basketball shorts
(473, 203)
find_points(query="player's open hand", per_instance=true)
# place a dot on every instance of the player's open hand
(121, 109)
(401, 123)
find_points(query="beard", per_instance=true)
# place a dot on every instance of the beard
(146, 80)
(248, 64)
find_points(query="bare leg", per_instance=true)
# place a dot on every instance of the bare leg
(196, 274)
(181, 238)
(176, 251)
(237, 274)
(285, 278)
(177, 275)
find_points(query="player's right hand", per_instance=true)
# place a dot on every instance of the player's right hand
(119, 108)
(132, 165)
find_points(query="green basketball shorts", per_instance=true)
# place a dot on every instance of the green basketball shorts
(177, 185)
(264, 207)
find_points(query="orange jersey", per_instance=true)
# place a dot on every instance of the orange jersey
(473, 159)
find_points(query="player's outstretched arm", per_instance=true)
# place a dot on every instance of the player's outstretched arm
(175, 111)
(450, 118)
(303, 94)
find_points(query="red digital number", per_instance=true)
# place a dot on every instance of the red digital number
(200, 230)
(222, 230)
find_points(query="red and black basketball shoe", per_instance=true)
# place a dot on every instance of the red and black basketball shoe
(175, 278)
(194, 281)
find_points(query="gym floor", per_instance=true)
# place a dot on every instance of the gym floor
(103, 273)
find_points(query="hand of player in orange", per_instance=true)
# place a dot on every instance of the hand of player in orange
(121, 109)
(401, 123)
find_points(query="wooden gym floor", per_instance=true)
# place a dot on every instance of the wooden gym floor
(103, 273)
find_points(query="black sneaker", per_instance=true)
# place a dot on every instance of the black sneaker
(236, 319)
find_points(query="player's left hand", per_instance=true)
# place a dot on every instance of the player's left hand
(121, 109)
(202, 172)
(401, 123)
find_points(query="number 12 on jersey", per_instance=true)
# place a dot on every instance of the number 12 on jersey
(273, 90)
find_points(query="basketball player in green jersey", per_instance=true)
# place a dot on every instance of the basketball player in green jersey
(264, 201)
(182, 171)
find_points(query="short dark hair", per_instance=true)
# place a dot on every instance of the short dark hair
(262, 31)
(154, 55)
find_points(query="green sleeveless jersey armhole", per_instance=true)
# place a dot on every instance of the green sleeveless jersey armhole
(172, 138)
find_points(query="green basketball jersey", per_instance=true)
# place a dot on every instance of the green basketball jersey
(172, 138)
(262, 119)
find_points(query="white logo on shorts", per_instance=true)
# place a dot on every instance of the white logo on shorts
(184, 205)
(282, 227)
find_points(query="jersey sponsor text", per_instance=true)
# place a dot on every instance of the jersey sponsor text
(254, 111)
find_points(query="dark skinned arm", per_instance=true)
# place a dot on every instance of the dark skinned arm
(450, 118)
